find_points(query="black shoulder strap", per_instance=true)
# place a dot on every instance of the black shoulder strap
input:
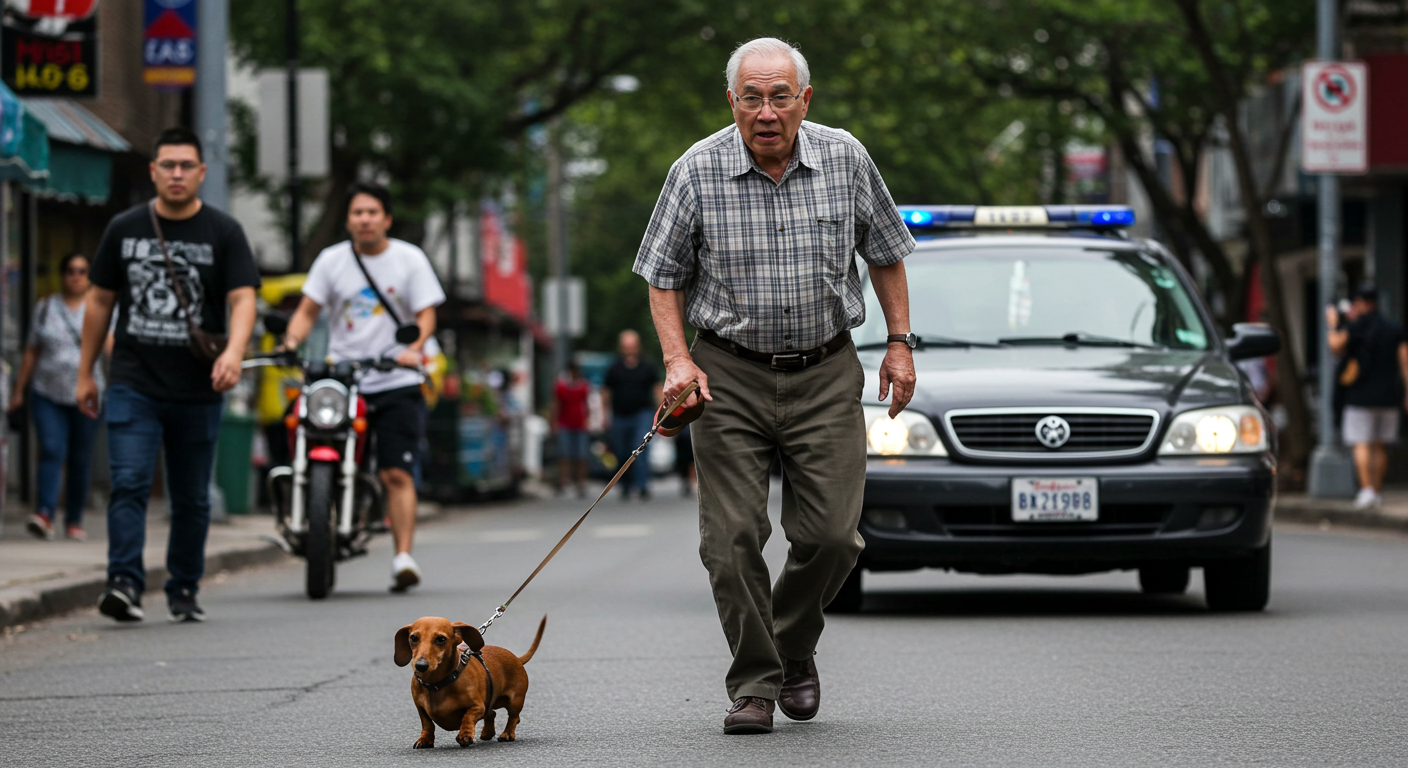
(389, 309)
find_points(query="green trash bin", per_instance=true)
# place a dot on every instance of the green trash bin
(234, 468)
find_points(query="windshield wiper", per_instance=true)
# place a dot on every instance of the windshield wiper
(933, 341)
(1078, 339)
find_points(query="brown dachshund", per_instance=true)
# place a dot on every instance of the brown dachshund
(459, 680)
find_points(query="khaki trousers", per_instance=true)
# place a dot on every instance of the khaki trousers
(813, 419)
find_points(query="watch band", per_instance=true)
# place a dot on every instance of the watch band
(907, 339)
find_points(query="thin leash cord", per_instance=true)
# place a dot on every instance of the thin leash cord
(655, 427)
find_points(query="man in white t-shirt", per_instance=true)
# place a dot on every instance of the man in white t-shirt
(360, 326)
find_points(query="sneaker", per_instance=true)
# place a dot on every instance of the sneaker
(404, 572)
(40, 526)
(184, 607)
(76, 533)
(1366, 498)
(121, 600)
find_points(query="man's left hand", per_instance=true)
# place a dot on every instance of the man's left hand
(897, 371)
(226, 372)
(411, 358)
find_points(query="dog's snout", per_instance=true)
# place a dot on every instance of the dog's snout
(422, 665)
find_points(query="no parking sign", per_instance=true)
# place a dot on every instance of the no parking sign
(1334, 118)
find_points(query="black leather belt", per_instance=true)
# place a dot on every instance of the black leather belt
(781, 361)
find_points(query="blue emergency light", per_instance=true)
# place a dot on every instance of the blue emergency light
(922, 217)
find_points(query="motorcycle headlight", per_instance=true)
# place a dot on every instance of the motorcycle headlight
(911, 434)
(1215, 431)
(327, 404)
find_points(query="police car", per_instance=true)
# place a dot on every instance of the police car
(1076, 411)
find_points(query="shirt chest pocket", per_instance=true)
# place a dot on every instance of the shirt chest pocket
(832, 239)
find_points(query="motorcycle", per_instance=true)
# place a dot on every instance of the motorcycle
(329, 503)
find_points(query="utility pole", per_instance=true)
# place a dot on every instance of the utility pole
(1331, 470)
(295, 186)
(557, 246)
(212, 46)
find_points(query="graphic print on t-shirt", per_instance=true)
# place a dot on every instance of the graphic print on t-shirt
(362, 306)
(156, 316)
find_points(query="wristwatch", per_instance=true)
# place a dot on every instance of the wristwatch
(908, 339)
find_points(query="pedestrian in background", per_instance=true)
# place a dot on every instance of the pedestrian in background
(174, 269)
(753, 242)
(1373, 374)
(630, 394)
(50, 368)
(569, 420)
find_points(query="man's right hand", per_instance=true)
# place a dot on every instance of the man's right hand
(87, 395)
(679, 372)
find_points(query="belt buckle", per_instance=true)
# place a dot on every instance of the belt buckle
(788, 361)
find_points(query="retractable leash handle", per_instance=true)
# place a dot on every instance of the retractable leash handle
(673, 417)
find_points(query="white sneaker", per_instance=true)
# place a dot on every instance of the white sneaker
(404, 572)
(1366, 499)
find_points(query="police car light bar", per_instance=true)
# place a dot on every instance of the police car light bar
(1017, 216)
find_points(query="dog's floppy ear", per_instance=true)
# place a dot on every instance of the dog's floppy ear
(469, 635)
(403, 646)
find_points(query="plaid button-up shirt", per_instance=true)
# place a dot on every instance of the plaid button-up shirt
(769, 265)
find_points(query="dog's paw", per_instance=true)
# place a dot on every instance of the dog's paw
(506, 738)
(424, 743)
(465, 739)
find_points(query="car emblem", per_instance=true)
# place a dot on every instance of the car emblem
(1053, 432)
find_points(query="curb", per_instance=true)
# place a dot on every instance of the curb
(1349, 518)
(45, 599)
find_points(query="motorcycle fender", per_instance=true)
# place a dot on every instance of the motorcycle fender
(324, 453)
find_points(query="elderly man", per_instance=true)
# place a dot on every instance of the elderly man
(752, 241)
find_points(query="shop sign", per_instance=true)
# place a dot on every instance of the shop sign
(169, 44)
(40, 58)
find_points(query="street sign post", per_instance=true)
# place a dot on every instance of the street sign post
(565, 306)
(169, 47)
(314, 132)
(1334, 117)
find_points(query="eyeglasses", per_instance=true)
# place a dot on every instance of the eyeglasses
(171, 165)
(76, 271)
(755, 103)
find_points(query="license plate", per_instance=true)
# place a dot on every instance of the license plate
(1058, 499)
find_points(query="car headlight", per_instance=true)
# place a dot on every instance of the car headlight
(327, 404)
(911, 434)
(1214, 431)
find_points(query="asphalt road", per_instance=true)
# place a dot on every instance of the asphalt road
(940, 670)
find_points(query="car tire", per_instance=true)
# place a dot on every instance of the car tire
(1163, 579)
(849, 599)
(1243, 584)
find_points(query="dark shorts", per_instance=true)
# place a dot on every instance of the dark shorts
(397, 418)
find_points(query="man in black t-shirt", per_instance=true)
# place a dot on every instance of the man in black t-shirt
(160, 393)
(629, 395)
(1377, 359)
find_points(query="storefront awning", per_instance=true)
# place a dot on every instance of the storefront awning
(81, 147)
(24, 142)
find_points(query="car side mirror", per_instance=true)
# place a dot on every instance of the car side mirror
(276, 323)
(1250, 340)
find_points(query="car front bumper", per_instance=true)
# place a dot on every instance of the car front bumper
(935, 513)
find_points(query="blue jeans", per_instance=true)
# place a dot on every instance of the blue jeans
(626, 434)
(138, 427)
(65, 438)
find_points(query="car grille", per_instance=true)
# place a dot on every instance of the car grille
(1094, 432)
(996, 520)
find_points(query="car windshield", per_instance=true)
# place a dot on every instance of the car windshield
(1035, 295)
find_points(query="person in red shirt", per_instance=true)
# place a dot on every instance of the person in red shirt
(569, 419)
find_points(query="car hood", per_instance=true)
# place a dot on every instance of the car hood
(1060, 376)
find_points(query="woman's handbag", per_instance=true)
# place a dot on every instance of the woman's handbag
(204, 345)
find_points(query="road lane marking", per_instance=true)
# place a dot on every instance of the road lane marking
(511, 534)
(621, 531)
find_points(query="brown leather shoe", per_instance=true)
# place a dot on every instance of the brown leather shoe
(750, 714)
(801, 690)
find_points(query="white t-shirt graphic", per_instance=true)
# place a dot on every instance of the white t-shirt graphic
(358, 326)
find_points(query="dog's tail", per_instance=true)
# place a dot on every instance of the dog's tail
(532, 649)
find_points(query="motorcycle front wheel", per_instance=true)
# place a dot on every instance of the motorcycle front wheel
(320, 543)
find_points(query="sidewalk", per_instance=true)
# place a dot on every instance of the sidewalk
(43, 578)
(1326, 513)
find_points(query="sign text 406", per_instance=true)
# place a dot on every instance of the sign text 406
(51, 77)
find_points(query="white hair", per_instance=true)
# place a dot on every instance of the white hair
(767, 46)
